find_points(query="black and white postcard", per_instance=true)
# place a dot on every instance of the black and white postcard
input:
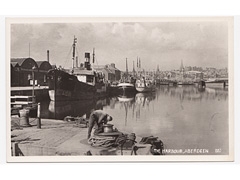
(119, 89)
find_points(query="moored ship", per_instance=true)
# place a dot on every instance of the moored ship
(126, 87)
(79, 83)
(143, 85)
(127, 84)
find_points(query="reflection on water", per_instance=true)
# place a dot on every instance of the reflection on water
(182, 117)
(59, 110)
(126, 102)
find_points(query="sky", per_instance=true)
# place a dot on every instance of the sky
(165, 44)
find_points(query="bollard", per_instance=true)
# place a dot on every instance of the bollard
(38, 116)
(13, 148)
(24, 117)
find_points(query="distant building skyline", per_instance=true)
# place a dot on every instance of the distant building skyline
(202, 44)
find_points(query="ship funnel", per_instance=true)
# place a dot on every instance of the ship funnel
(87, 56)
(87, 61)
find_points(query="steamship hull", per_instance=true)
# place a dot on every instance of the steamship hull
(66, 87)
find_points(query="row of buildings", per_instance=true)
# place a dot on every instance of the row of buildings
(192, 73)
(25, 70)
(111, 73)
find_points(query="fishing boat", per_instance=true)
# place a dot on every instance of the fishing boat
(145, 85)
(127, 84)
(126, 87)
(217, 82)
(78, 83)
(113, 88)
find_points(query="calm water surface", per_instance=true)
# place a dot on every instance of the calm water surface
(188, 120)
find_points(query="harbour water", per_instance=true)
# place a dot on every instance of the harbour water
(188, 120)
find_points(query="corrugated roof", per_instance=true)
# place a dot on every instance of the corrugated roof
(18, 60)
(39, 63)
(14, 64)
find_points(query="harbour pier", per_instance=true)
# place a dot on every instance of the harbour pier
(60, 138)
(40, 92)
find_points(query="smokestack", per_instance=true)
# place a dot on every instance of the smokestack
(87, 64)
(87, 57)
(48, 55)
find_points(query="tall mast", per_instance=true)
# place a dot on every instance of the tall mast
(126, 67)
(133, 69)
(74, 49)
(76, 61)
(137, 62)
(93, 55)
(133, 66)
(137, 66)
(29, 49)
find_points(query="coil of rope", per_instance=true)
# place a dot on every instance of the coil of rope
(110, 141)
(97, 141)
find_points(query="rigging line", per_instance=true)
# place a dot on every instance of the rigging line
(78, 55)
(77, 50)
(79, 62)
(68, 56)
(96, 62)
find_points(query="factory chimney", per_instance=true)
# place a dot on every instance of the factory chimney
(48, 55)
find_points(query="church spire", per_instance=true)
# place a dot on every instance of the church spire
(181, 67)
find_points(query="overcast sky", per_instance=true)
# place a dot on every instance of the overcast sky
(165, 44)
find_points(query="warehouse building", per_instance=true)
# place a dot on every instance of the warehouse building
(24, 70)
(111, 73)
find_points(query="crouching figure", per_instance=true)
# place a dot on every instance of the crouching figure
(98, 118)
